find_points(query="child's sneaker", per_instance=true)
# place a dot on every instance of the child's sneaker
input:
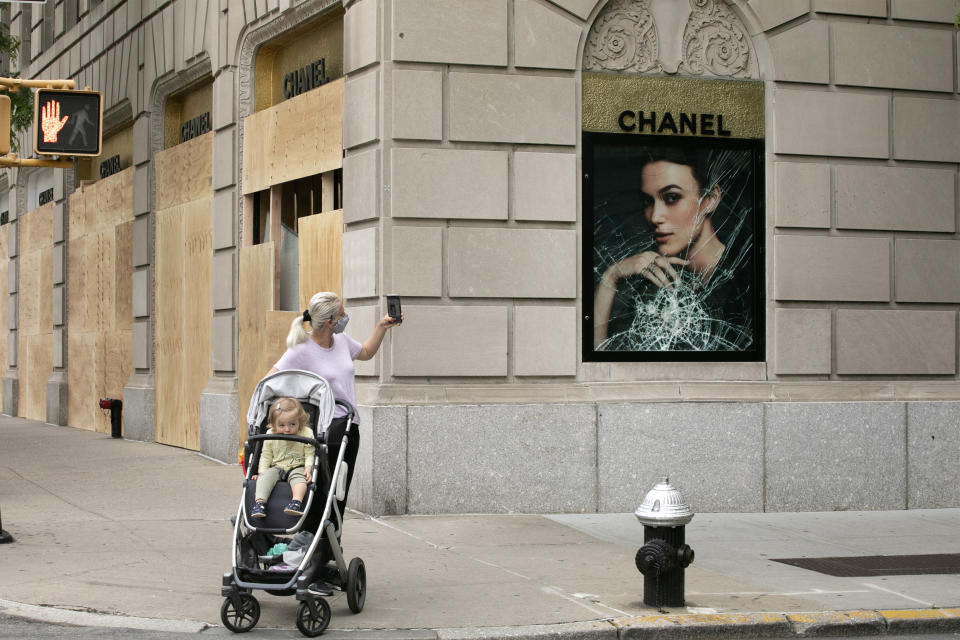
(295, 508)
(259, 510)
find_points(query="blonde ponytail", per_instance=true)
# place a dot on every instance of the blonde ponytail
(322, 307)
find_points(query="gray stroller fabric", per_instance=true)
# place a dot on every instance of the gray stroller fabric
(292, 383)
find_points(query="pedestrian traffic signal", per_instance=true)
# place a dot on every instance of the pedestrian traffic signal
(4, 125)
(67, 123)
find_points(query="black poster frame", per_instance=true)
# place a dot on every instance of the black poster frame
(757, 351)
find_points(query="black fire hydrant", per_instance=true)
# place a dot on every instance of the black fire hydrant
(664, 556)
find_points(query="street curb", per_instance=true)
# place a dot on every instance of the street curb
(703, 626)
(787, 625)
(699, 626)
(914, 620)
(593, 630)
(56, 615)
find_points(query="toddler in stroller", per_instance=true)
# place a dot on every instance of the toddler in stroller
(322, 567)
(285, 460)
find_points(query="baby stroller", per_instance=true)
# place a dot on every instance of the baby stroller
(322, 567)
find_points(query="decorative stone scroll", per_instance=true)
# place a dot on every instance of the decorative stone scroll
(698, 38)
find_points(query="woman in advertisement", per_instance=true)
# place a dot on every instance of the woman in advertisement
(674, 272)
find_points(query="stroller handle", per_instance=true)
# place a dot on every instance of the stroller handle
(349, 408)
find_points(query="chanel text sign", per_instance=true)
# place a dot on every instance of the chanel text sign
(672, 106)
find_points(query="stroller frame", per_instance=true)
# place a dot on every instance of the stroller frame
(313, 614)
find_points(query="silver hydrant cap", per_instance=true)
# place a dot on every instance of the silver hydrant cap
(664, 506)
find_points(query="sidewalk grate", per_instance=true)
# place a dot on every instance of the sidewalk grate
(858, 566)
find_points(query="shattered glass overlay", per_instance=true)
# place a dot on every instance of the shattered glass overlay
(695, 314)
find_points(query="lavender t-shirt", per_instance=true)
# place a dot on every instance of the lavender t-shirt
(334, 364)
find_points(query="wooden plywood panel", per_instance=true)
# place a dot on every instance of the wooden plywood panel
(36, 229)
(99, 281)
(183, 172)
(182, 326)
(105, 271)
(79, 346)
(28, 300)
(168, 324)
(276, 328)
(321, 254)
(35, 303)
(81, 359)
(198, 313)
(255, 300)
(78, 213)
(118, 365)
(36, 364)
(275, 148)
(123, 292)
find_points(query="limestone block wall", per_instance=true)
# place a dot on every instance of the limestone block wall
(462, 195)
(863, 147)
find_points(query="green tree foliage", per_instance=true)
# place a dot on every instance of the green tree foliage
(21, 100)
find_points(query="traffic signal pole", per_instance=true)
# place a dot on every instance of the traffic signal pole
(16, 83)
(12, 160)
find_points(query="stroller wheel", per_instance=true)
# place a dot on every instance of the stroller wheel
(356, 585)
(309, 625)
(242, 618)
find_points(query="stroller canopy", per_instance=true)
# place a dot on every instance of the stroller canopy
(292, 383)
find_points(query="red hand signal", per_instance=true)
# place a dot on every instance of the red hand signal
(50, 121)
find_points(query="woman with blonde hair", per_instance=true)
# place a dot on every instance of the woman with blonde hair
(317, 343)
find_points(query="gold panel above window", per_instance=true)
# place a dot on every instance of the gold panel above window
(683, 106)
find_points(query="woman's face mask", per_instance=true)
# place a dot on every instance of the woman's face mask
(341, 324)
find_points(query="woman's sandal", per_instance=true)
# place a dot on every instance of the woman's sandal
(295, 508)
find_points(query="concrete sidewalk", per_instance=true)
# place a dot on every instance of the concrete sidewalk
(109, 527)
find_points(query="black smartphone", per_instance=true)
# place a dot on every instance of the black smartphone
(393, 308)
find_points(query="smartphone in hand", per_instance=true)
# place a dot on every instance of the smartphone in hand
(393, 308)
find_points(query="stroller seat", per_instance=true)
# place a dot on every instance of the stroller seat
(276, 518)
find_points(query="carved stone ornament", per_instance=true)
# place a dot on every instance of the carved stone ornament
(697, 37)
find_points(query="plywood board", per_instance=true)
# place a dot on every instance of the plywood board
(81, 358)
(168, 323)
(183, 172)
(182, 309)
(36, 229)
(299, 137)
(182, 320)
(198, 313)
(36, 364)
(35, 305)
(78, 212)
(321, 254)
(123, 276)
(99, 281)
(276, 328)
(255, 300)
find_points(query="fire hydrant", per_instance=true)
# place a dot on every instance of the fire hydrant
(664, 556)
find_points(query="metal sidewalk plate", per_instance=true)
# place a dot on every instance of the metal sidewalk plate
(854, 566)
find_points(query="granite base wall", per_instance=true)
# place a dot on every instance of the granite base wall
(57, 399)
(11, 386)
(220, 435)
(139, 421)
(726, 457)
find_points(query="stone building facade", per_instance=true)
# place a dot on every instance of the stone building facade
(458, 174)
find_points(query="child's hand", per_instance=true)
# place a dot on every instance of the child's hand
(308, 474)
(255, 476)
